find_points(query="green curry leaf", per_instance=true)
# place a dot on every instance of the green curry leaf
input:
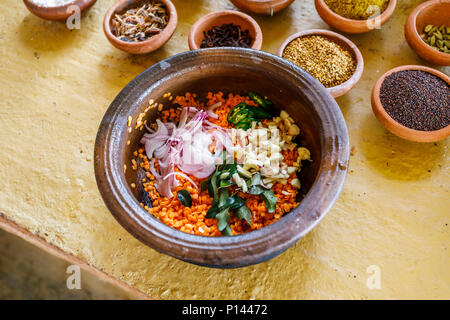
(244, 213)
(270, 200)
(185, 198)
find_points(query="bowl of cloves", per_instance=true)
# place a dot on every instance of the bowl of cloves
(226, 28)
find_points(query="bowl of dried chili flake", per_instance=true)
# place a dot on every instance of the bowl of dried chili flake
(140, 26)
(413, 102)
(226, 28)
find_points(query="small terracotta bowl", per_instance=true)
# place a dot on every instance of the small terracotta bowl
(397, 128)
(230, 70)
(219, 18)
(59, 13)
(343, 88)
(434, 12)
(350, 25)
(266, 7)
(140, 47)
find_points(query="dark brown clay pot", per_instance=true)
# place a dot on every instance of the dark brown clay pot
(58, 13)
(434, 12)
(235, 70)
(148, 45)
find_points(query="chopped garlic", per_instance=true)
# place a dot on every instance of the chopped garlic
(304, 154)
(295, 183)
(224, 175)
(244, 172)
(240, 182)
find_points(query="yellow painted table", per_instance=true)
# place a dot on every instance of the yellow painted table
(55, 85)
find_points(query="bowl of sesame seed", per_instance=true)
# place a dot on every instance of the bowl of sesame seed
(329, 57)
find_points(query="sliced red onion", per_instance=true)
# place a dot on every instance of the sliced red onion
(153, 170)
(161, 131)
(198, 170)
(211, 114)
(183, 175)
(172, 145)
(164, 186)
(215, 106)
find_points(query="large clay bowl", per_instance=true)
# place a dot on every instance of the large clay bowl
(435, 12)
(58, 13)
(397, 128)
(148, 45)
(351, 25)
(266, 7)
(235, 70)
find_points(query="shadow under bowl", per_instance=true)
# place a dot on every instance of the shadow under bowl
(435, 12)
(140, 47)
(323, 131)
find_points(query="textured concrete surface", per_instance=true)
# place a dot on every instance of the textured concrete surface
(27, 272)
(55, 86)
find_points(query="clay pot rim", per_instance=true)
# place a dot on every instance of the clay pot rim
(251, 247)
(346, 86)
(397, 128)
(429, 53)
(57, 13)
(132, 47)
(257, 42)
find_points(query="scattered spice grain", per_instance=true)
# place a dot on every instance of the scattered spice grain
(357, 9)
(323, 58)
(227, 35)
(417, 99)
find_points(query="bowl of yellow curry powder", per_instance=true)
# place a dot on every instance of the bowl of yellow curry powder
(355, 16)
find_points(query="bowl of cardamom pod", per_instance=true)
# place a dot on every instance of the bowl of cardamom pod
(427, 31)
(356, 16)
